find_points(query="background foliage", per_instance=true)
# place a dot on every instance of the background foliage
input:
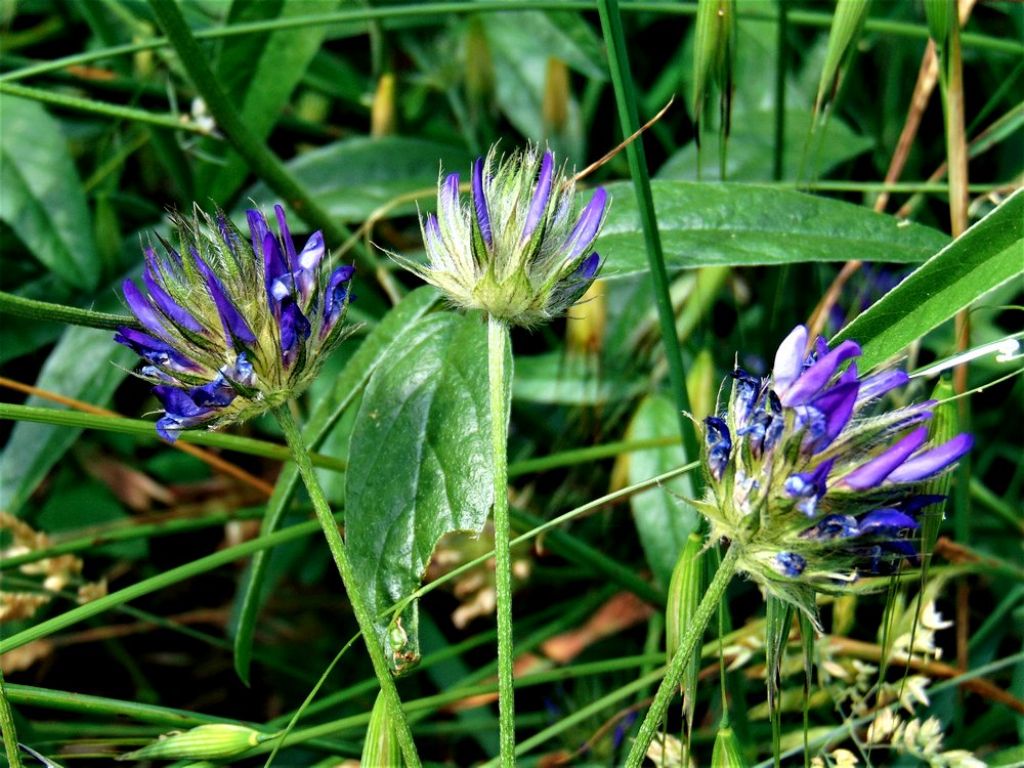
(352, 109)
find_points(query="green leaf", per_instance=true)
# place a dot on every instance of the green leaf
(374, 349)
(354, 177)
(420, 465)
(984, 257)
(662, 521)
(87, 365)
(41, 196)
(847, 24)
(750, 150)
(746, 225)
(259, 72)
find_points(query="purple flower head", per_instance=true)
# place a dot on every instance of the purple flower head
(240, 326)
(812, 477)
(515, 250)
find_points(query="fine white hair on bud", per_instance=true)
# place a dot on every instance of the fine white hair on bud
(514, 249)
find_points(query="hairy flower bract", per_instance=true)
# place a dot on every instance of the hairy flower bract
(232, 326)
(515, 250)
(812, 478)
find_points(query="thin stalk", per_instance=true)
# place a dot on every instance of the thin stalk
(497, 346)
(33, 309)
(263, 162)
(687, 645)
(7, 728)
(348, 577)
(625, 99)
(782, 34)
(95, 107)
(141, 428)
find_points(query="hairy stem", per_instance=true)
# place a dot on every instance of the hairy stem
(687, 645)
(348, 577)
(497, 345)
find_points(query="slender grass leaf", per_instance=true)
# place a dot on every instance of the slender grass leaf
(662, 521)
(419, 465)
(353, 378)
(86, 365)
(684, 593)
(746, 225)
(259, 72)
(847, 24)
(41, 197)
(986, 256)
(354, 177)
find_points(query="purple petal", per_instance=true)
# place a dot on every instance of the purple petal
(589, 222)
(915, 504)
(872, 473)
(312, 252)
(294, 330)
(169, 306)
(181, 411)
(931, 462)
(334, 297)
(790, 564)
(241, 372)
(875, 386)
(258, 228)
(286, 236)
(142, 309)
(837, 405)
(719, 445)
(789, 358)
(217, 393)
(275, 270)
(234, 324)
(448, 199)
(541, 195)
(154, 350)
(587, 269)
(225, 233)
(483, 219)
(814, 378)
(885, 522)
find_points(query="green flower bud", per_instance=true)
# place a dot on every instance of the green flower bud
(217, 741)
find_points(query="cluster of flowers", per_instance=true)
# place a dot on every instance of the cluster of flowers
(233, 327)
(810, 478)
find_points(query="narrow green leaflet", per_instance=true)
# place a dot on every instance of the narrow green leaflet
(662, 521)
(419, 465)
(747, 224)
(354, 177)
(386, 336)
(86, 364)
(41, 196)
(260, 72)
(986, 256)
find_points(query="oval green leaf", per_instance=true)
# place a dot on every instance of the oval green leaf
(419, 465)
(748, 225)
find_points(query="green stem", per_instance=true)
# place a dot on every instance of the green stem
(625, 99)
(33, 309)
(497, 348)
(363, 616)
(782, 34)
(687, 644)
(7, 728)
(143, 428)
(263, 162)
(116, 111)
